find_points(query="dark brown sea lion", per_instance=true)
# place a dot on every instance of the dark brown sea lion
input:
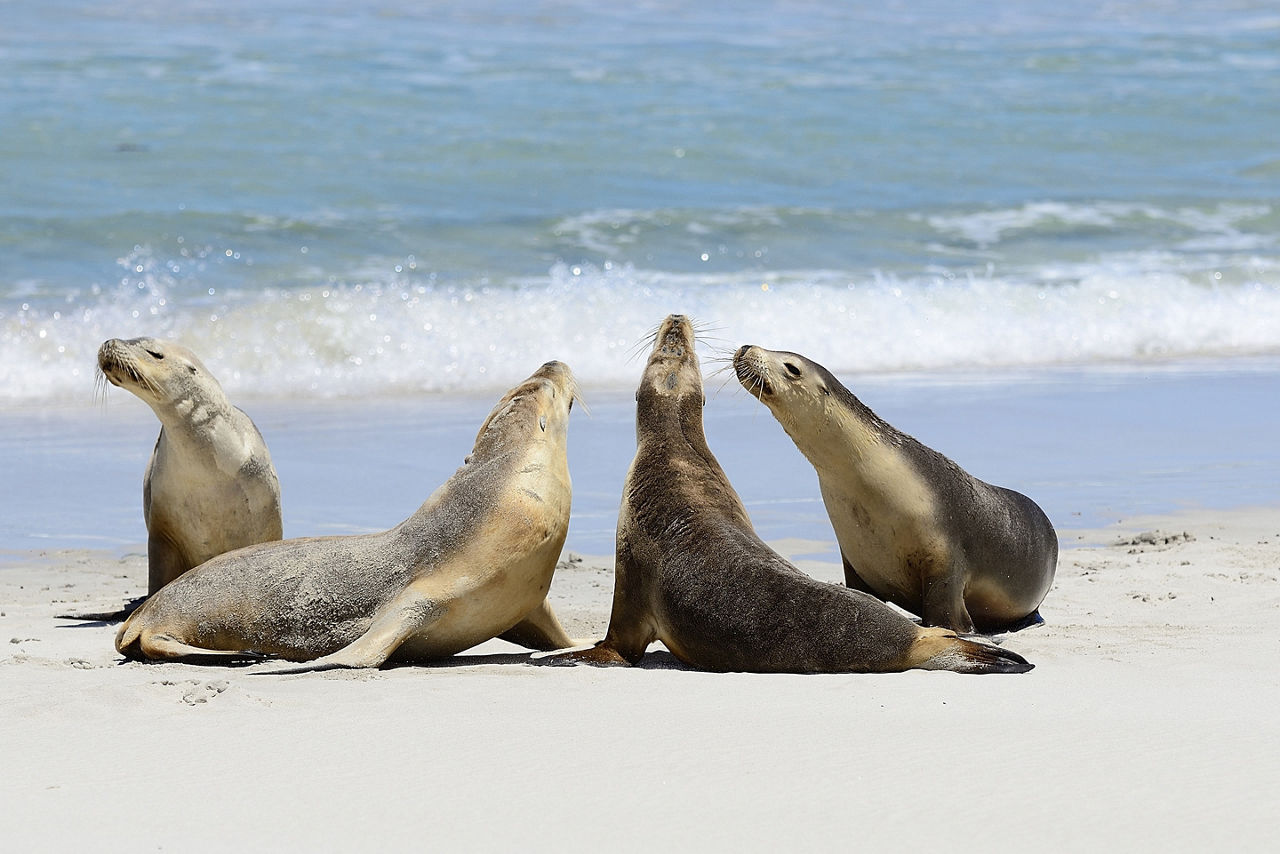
(692, 573)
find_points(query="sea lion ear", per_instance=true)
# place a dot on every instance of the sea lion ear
(542, 422)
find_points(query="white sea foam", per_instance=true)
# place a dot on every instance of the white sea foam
(405, 336)
(1221, 223)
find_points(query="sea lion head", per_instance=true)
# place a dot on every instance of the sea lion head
(161, 373)
(672, 375)
(535, 410)
(795, 389)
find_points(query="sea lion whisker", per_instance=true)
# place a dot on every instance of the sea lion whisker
(722, 363)
(720, 370)
(642, 347)
(575, 397)
(720, 388)
(715, 342)
(149, 381)
(100, 384)
(645, 342)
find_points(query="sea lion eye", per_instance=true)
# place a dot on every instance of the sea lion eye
(153, 354)
(791, 369)
(824, 389)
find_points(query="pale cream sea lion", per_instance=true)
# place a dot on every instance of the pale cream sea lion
(691, 572)
(474, 562)
(914, 528)
(209, 486)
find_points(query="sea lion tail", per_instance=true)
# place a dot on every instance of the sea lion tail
(129, 638)
(940, 649)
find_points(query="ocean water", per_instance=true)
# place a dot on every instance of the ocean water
(1092, 447)
(347, 198)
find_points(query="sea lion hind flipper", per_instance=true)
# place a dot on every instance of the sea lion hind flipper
(599, 655)
(161, 646)
(938, 649)
(539, 630)
(1030, 621)
(106, 616)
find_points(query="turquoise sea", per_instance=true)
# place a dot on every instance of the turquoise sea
(351, 198)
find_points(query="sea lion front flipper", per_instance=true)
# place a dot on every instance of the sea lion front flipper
(164, 561)
(943, 604)
(402, 617)
(630, 627)
(854, 581)
(538, 630)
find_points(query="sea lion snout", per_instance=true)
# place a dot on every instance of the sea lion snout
(124, 362)
(752, 371)
(554, 369)
(675, 338)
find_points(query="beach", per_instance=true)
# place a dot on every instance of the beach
(1043, 240)
(1147, 722)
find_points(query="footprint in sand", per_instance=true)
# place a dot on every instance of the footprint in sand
(199, 692)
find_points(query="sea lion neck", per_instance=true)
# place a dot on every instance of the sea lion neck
(671, 419)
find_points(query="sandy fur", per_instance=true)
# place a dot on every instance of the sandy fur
(474, 559)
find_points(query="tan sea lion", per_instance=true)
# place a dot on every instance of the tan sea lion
(691, 572)
(914, 528)
(474, 562)
(209, 486)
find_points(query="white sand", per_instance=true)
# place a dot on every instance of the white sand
(1149, 723)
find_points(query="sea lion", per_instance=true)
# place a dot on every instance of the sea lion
(209, 486)
(914, 528)
(474, 562)
(691, 572)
